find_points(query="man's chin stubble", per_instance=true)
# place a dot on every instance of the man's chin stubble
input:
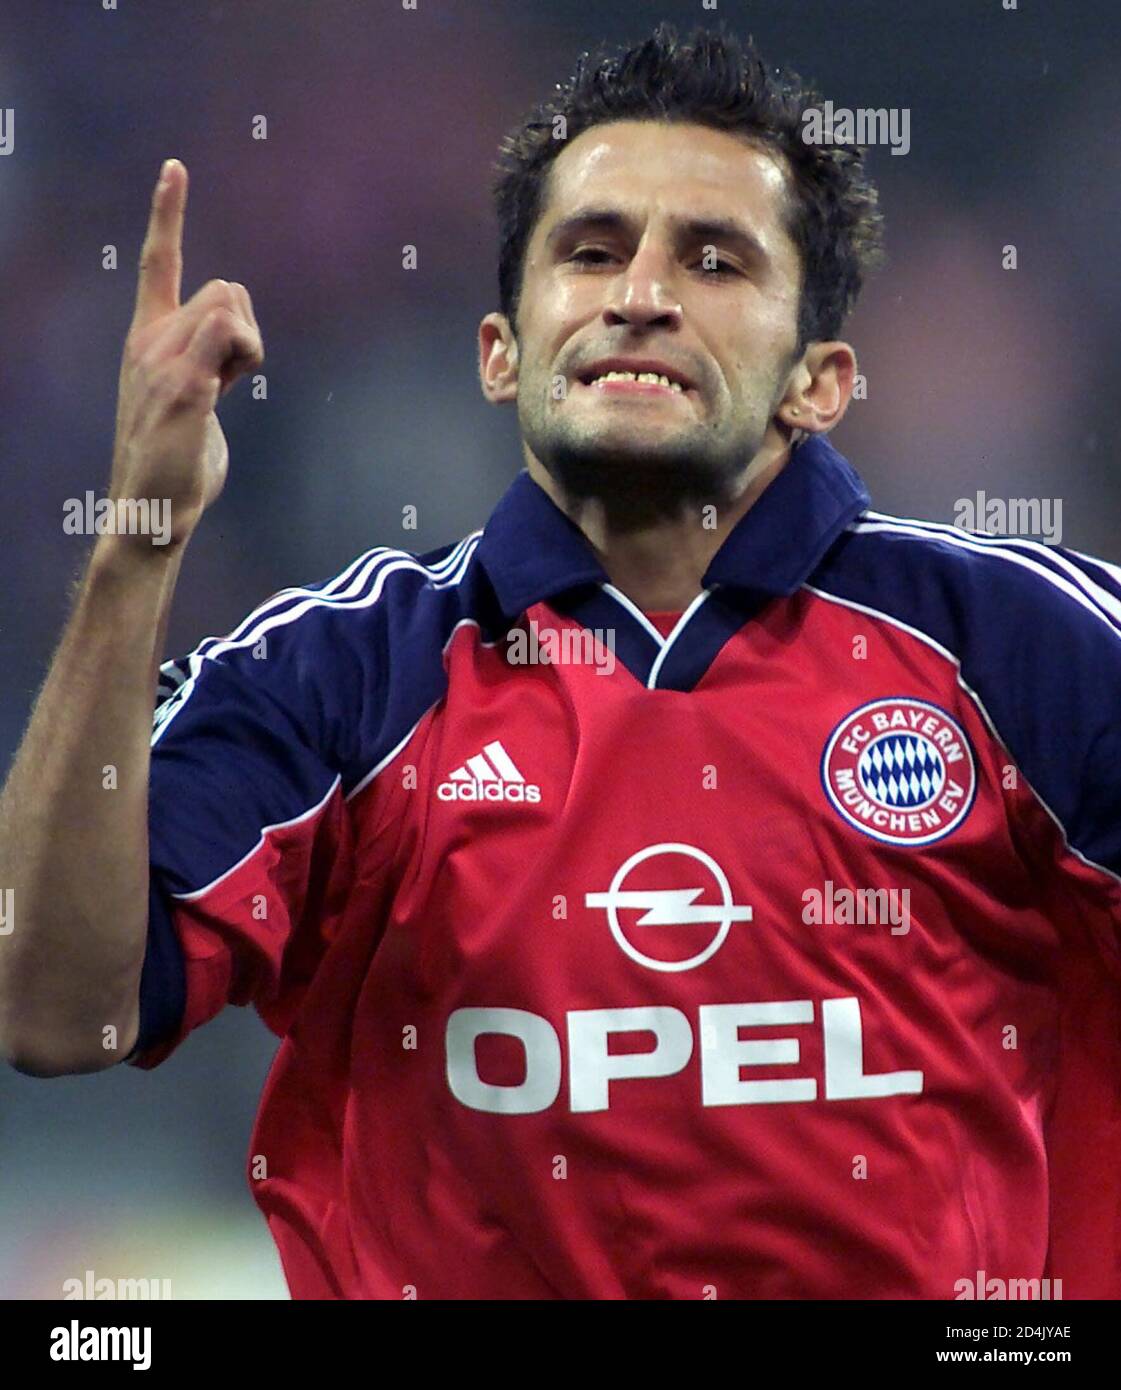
(636, 489)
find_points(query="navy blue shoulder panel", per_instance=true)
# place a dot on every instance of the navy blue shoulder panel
(1036, 630)
(317, 685)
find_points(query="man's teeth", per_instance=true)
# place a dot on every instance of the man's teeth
(652, 378)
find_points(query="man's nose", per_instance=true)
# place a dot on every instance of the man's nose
(642, 295)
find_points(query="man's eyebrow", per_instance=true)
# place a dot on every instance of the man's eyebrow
(725, 229)
(585, 219)
(705, 229)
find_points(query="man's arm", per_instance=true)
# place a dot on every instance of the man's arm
(74, 852)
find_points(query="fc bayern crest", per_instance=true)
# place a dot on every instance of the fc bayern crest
(900, 770)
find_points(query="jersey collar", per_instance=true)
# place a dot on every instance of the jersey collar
(531, 551)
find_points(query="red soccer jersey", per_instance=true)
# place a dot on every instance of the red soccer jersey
(770, 954)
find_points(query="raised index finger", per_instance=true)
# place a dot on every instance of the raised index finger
(161, 258)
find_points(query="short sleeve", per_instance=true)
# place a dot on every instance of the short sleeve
(1035, 630)
(249, 837)
(1055, 688)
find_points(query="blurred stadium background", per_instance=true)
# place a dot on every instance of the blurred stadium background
(382, 125)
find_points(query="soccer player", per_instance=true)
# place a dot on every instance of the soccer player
(694, 883)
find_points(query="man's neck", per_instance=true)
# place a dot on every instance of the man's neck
(659, 566)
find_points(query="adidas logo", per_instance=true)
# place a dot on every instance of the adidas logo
(488, 776)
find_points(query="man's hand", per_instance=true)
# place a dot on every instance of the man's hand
(178, 360)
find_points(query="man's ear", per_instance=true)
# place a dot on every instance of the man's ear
(498, 359)
(819, 389)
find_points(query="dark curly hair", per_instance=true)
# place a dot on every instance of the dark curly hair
(712, 79)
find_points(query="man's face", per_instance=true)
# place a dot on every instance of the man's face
(662, 244)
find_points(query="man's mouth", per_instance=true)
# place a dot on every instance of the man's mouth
(643, 380)
(615, 379)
